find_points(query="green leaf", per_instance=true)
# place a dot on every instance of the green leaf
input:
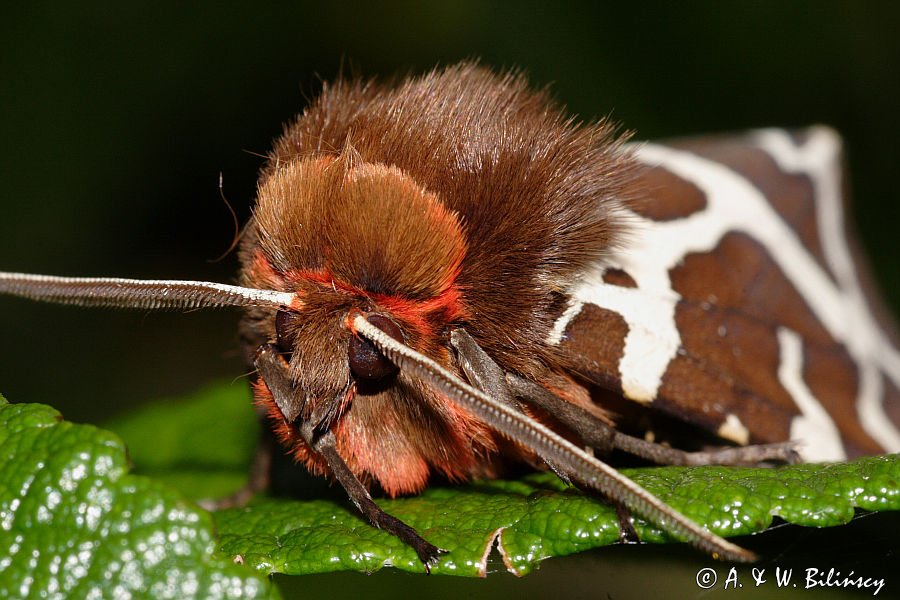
(74, 523)
(537, 517)
(202, 444)
(527, 520)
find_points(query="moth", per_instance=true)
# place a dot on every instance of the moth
(449, 275)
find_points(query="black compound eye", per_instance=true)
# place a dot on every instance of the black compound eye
(366, 361)
(285, 331)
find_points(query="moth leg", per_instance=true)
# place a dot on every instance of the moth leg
(485, 374)
(627, 532)
(274, 371)
(482, 372)
(600, 435)
(427, 552)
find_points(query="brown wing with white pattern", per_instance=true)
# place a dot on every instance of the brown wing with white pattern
(737, 303)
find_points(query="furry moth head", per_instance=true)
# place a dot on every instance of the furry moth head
(449, 201)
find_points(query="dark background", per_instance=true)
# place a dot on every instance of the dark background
(116, 121)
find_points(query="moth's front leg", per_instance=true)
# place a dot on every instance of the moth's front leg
(484, 373)
(274, 371)
(427, 552)
(598, 434)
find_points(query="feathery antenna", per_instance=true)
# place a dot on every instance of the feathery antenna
(139, 293)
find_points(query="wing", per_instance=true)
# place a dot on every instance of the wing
(738, 304)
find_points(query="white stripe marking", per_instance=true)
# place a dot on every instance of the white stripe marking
(862, 335)
(652, 340)
(814, 427)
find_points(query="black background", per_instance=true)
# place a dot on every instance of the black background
(116, 121)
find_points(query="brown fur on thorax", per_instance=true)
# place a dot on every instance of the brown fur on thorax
(456, 199)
